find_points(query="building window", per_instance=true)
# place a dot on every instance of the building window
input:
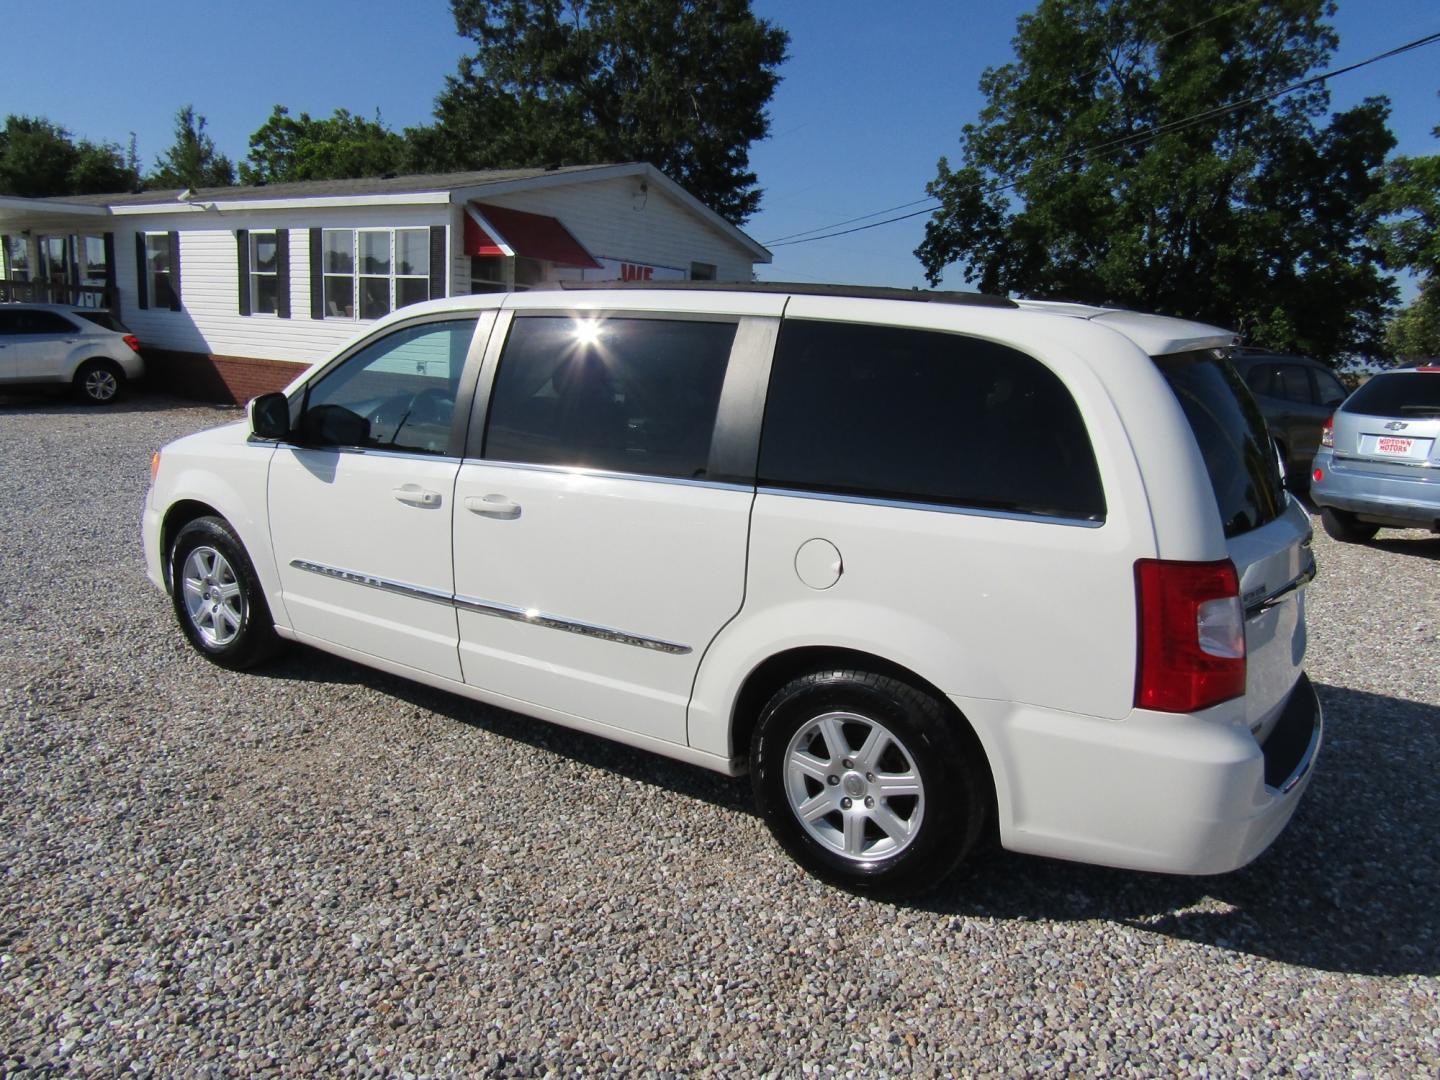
(369, 273)
(160, 271)
(17, 258)
(487, 274)
(702, 271)
(264, 273)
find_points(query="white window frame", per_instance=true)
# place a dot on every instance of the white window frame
(255, 275)
(391, 276)
(152, 276)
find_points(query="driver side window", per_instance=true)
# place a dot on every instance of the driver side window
(397, 393)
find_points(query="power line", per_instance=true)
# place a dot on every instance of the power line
(1134, 138)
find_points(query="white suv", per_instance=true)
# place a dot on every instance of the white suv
(83, 348)
(924, 564)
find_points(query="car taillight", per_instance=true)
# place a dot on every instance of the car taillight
(1192, 635)
(133, 342)
(1327, 433)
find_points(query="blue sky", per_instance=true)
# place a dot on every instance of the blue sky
(872, 94)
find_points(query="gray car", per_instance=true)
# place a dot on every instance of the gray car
(86, 349)
(1379, 460)
(1297, 395)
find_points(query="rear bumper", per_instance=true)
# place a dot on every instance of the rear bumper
(1386, 499)
(1169, 793)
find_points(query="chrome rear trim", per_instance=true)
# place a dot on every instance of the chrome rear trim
(1264, 604)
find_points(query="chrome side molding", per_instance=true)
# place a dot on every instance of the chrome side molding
(492, 608)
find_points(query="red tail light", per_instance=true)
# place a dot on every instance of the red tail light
(1327, 433)
(133, 342)
(1192, 635)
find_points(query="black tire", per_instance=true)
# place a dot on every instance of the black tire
(1345, 527)
(947, 815)
(99, 382)
(217, 597)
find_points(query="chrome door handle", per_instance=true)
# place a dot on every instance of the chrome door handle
(415, 495)
(493, 506)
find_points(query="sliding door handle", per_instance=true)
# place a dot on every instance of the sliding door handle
(493, 506)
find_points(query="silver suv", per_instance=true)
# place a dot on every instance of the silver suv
(83, 348)
(1379, 459)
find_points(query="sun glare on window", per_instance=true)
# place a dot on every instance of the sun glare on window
(587, 332)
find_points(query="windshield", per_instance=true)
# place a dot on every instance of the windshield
(1230, 430)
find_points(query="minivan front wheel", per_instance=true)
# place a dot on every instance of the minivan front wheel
(867, 782)
(1345, 527)
(218, 599)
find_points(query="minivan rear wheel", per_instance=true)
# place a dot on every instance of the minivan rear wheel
(867, 782)
(1346, 527)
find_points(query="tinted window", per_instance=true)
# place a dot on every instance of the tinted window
(1294, 383)
(397, 393)
(1232, 437)
(104, 320)
(1399, 393)
(1328, 389)
(622, 395)
(29, 321)
(926, 417)
(1261, 378)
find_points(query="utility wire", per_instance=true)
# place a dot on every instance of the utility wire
(1134, 138)
(1020, 101)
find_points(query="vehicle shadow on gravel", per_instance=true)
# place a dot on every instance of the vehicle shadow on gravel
(1350, 885)
(1421, 548)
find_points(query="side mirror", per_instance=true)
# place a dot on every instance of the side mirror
(269, 416)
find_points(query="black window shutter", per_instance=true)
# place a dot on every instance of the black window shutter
(142, 278)
(242, 268)
(282, 273)
(437, 262)
(317, 277)
(175, 271)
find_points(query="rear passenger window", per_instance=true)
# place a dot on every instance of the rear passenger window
(919, 416)
(619, 395)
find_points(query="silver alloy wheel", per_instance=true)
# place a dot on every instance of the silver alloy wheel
(212, 596)
(853, 786)
(101, 384)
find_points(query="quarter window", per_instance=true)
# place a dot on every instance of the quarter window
(920, 416)
(370, 272)
(620, 395)
(397, 393)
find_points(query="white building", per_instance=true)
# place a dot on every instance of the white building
(232, 290)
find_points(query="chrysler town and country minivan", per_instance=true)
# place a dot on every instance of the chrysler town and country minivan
(925, 565)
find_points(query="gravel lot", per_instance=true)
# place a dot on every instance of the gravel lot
(318, 868)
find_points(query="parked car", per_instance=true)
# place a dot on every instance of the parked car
(84, 348)
(1379, 465)
(923, 564)
(1297, 395)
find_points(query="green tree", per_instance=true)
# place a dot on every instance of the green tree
(192, 160)
(38, 158)
(682, 84)
(1408, 236)
(288, 148)
(1140, 153)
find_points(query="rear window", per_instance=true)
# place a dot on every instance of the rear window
(1398, 393)
(104, 320)
(1233, 439)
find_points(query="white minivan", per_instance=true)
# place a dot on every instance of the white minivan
(924, 564)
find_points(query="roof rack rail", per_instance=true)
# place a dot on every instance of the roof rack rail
(855, 292)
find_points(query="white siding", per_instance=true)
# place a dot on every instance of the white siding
(612, 219)
(210, 319)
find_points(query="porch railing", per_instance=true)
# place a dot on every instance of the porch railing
(44, 292)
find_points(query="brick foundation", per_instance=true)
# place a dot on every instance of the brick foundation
(224, 379)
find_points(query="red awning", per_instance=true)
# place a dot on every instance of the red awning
(498, 230)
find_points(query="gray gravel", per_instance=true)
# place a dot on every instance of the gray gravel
(318, 868)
